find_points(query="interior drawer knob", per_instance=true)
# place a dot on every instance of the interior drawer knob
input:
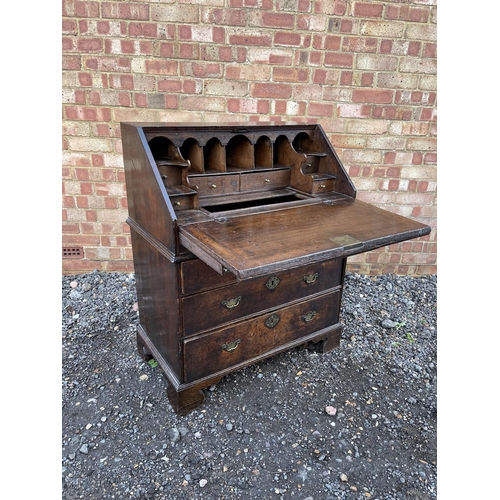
(232, 303)
(311, 278)
(231, 346)
(308, 317)
(213, 186)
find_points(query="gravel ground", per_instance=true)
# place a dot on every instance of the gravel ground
(356, 423)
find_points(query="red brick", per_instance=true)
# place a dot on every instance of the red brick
(414, 48)
(69, 27)
(372, 95)
(147, 30)
(120, 266)
(78, 266)
(250, 40)
(124, 10)
(73, 8)
(290, 75)
(103, 28)
(89, 44)
(346, 78)
(202, 70)
(69, 202)
(189, 51)
(293, 39)
(346, 26)
(359, 44)
(276, 20)
(368, 9)
(71, 63)
(86, 113)
(407, 13)
(85, 79)
(430, 50)
(392, 112)
(271, 90)
(386, 47)
(224, 17)
(320, 109)
(338, 59)
(367, 79)
(162, 67)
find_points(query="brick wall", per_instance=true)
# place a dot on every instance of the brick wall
(366, 71)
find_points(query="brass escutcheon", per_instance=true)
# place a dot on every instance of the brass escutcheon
(272, 321)
(231, 346)
(272, 282)
(308, 317)
(231, 303)
(310, 278)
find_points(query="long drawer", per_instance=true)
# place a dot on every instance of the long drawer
(207, 310)
(211, 185)
(244, 341)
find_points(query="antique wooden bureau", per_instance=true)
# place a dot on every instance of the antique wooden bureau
(240, 234)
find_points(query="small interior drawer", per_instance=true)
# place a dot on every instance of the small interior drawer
(213, 185)
(260, 181)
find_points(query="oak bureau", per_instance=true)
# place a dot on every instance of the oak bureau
(240, 234)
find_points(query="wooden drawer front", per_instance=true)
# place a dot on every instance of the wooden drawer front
(211, 353)
(211, 185)
(254, 181)
(322, 186)
(196, 277)
(233, 302)
(183, 202)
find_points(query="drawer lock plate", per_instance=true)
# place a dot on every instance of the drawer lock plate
(272, 282)
(272, 321)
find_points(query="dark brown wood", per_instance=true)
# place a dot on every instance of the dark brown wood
(185, 400)
(197, 277)
(257, 295)
(258, 244)
(240, 234)
(234, 345)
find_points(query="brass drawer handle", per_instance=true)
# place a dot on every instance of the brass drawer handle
(213, 186)
(310, 278)
(231, 346)
(177, 203)
(232, 303)
(308, 317)
(267, 181)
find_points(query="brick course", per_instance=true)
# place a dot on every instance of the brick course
(364, 70)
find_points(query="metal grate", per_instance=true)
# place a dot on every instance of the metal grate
(72, 252)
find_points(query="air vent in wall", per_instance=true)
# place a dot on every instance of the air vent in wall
(72, 253)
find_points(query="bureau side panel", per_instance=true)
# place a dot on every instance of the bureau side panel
(148, 203)
(157, 284)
